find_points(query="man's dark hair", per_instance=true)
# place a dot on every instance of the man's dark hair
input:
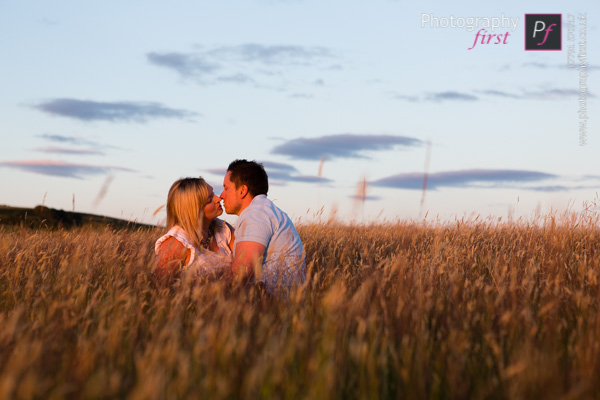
(251, 174)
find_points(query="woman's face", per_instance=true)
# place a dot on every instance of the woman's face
(212, 208)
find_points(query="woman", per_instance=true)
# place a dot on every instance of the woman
(196, 238)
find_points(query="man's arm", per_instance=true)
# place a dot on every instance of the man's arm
(248, 257)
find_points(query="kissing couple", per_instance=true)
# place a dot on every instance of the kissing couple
(263, 247)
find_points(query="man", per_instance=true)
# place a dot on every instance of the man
(267, 246)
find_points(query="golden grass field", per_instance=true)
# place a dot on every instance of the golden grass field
(466, 309)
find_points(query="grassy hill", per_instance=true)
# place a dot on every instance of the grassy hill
(45, 217)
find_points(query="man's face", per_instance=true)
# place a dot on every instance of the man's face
(232, 200)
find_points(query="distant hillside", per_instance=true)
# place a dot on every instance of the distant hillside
(45, 217)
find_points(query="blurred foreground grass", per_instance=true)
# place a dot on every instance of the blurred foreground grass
(462, 310)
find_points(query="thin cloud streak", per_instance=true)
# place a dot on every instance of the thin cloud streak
(61, 168)
(276, 166)
(499, 93)
(553, 94)
(411, 99)
(463, 178)
(544, 65)
(450, 96)
(120, 111)
(437, 97)
(561, 188)
(76, 141)
(216, 171)
(187, 65)
(64, 139)
(65, 150)
(236, 78)
(279, 174)
(365, 198)
(272, 54)
(341, 146)
(543, 94)
(301, 96)
(283, 173)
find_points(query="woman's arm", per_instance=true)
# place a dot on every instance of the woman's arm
(171, 257)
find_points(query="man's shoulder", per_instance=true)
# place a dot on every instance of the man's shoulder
(261, 200)
(259, 205)
(263, 211)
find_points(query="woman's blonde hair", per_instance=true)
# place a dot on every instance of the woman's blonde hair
(185, 207)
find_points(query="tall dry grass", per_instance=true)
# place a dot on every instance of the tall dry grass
(471, 309)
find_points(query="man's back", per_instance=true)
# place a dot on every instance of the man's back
(283, 263)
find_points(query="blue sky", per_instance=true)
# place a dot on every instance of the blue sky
(106, 104)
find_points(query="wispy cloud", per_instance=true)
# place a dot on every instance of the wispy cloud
(66, 139)
(49, 21)
(236, 78)
(545, 65)
(412, 99)
(303, 178)
(553, 94)
(249, 64)
(283, 173)
(271, 54)
(437, 97)
(450, 96)
(538, 64)
(279, 174)
(120, 111)
(342, 146)
(216, 171)
(541, 94)
(187, 65)
(66, 150)
(301, 96)
(462, 178)
(364, 198)
(61, 168)
(360, 196)
(499, 93)
(560, 188)
(277, 166)
(85, 146)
